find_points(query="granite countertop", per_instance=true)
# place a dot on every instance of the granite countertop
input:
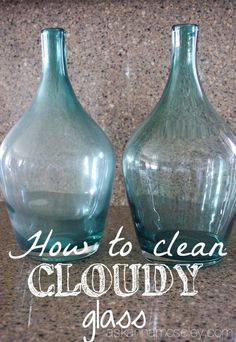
(24, 317)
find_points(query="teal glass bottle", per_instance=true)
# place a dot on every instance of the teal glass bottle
(57, 165)
(180, 167)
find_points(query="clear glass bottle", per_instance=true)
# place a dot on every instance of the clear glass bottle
(180, 165)
(56, 164)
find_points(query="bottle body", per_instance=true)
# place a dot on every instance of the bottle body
(57, 168)
(180, 167)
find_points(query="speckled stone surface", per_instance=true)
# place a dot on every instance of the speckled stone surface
(118, 58)
(24, 317)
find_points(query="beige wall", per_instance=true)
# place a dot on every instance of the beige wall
(118, 58)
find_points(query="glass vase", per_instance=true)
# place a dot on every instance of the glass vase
(57, 165)
(180, 168)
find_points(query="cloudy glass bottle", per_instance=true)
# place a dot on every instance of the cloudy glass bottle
(180, 166)
(56, 164)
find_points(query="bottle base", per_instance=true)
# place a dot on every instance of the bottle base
(62, 258)
(172, 262)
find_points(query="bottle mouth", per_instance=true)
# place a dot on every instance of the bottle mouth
(53, 29)
(185, 26)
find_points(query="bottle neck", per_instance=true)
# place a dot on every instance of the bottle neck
(53, 54)
(55, 84)
(183, 75)
(184, 44)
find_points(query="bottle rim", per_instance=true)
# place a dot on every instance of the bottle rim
(184, 25)
(51, 29)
